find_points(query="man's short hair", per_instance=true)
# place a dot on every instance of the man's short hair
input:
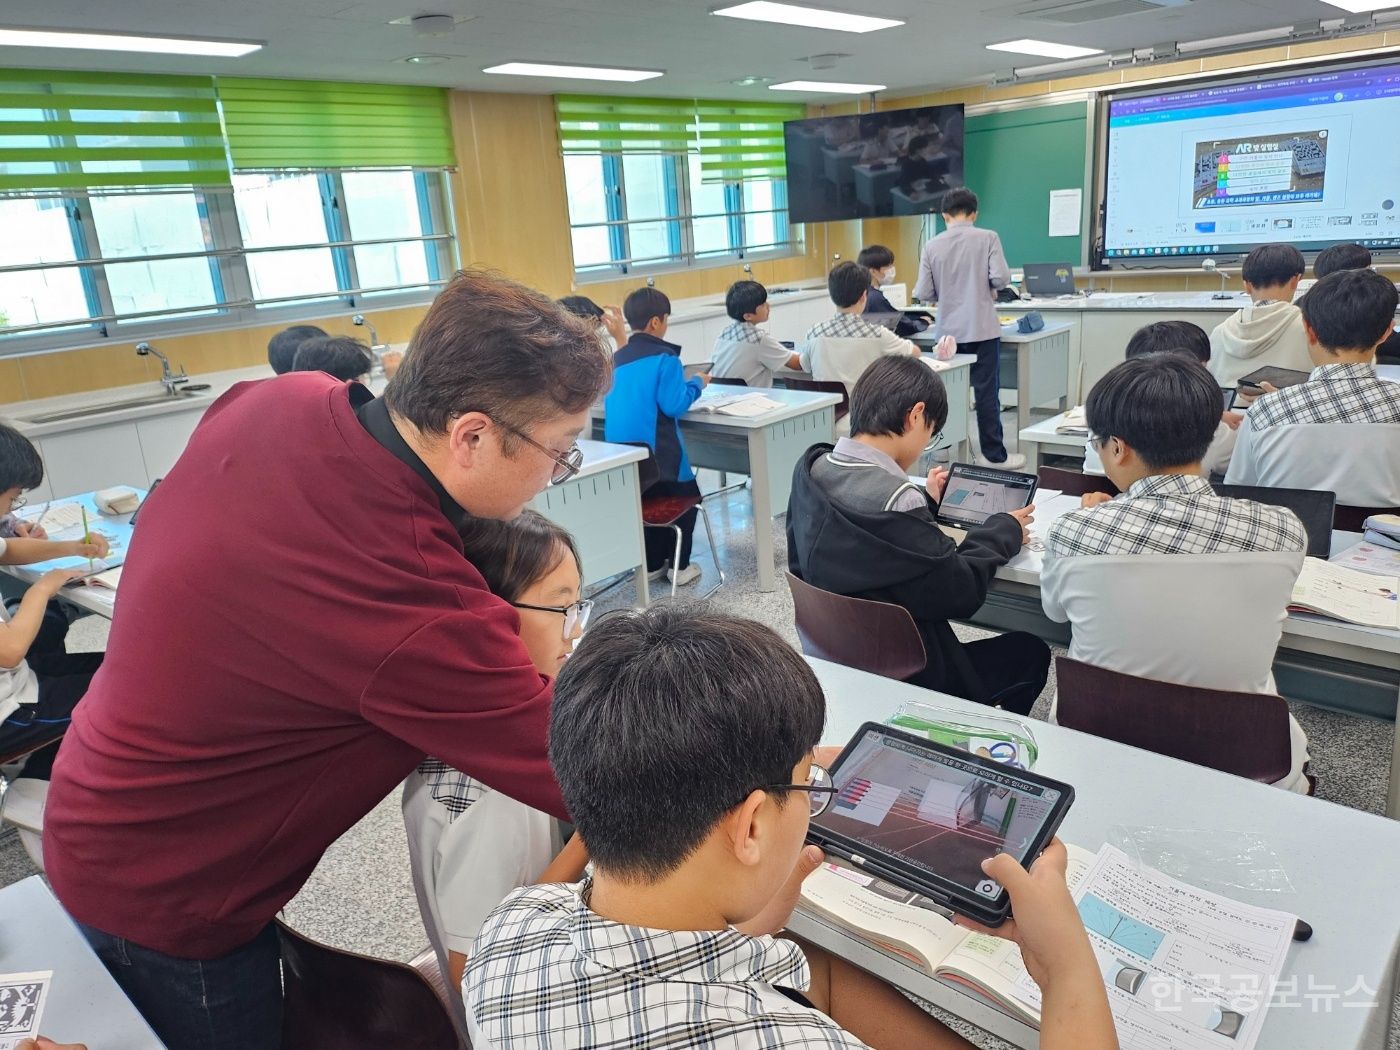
(665, 719)
(490, 345)
(581, 306)
(20, 464)
(959, 201)
(744, 297)
(1270, 265)
(336, 355)
(644, 304)
(888, 389)
(847, 282)
(1165, 407)
(875, 257)
(1164, 336)
(1350, 309)
(1345, 256)
(282, 347)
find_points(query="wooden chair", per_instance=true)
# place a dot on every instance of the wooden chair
(870, 636)
(1246, 734)
(821, 386)
(1350, 519)
(338, 1000)
(1074, 483)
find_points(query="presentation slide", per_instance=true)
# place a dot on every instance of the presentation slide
(944, 816)
(1219, 169)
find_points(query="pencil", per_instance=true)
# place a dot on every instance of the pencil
(87, 534)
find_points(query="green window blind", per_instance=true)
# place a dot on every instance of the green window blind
(62, 129)
(595, 124)
(743, 140)
(323, 124)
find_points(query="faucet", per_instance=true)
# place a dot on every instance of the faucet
(168, 379)
(359, 319)
(376, 349)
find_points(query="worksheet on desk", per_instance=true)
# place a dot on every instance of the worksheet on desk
(22, 997)
(1049, 505)
(63, 520)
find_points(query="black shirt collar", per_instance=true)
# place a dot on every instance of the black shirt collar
(373, 415)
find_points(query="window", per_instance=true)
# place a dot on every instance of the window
(83, 264)
(630, 211)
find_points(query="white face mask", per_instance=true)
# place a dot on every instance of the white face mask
(889, 276)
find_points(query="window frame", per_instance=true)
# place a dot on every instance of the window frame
(683, 257)
(235, 306)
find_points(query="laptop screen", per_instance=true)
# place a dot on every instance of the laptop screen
(1314, 510)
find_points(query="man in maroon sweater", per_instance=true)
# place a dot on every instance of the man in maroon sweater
(297, 627)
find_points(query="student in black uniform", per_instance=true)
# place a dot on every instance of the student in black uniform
(1356, 257)
(879, 260)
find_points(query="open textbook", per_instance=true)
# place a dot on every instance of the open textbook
(745, 404)
(1366, 598)
(1185, 969)
(63, 520)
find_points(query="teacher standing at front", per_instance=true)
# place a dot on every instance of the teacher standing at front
(961, 270)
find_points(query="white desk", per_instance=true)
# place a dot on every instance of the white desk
(873, 185)
(1039, 440)
(765, 447)
(84, 1001)
(1351, 905)
(602, 508)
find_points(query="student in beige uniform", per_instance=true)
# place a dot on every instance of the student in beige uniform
(1269, 331)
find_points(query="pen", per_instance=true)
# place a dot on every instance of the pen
(42, 515)
(87, 534)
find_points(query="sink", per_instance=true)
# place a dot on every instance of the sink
(104, 407)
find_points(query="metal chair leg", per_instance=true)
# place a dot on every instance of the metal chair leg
(714, 551)
(676, 561)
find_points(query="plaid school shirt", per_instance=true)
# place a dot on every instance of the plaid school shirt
(1342, 393)
(1174, 514)
(546, 972)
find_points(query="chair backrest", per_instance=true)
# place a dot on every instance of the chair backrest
(1360, 462)
(728, 381)
(823, 386)
(1242, 733)
(338, 1000)
(648, 473)
(1206, 620)
(1352, 519)
(1073, 483)
(870, 636)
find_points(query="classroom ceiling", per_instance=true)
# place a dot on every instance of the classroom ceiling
(941, 46)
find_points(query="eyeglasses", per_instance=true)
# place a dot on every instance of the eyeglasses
(566, 464)
(937, 443)
(575, 615)
(819, 787)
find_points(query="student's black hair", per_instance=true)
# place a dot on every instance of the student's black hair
(664, 720)
(959, 201)
(875, 257)
(282, 347)
(888, 389)
(581, 306)
(1350, 309)
(336, 355)
(1162, 336)
(1164, 407)
(644, 304)
(513, 555)
(744, 297)
(1270, 265)
(847, 282)
(20, 464)
(1345, 256)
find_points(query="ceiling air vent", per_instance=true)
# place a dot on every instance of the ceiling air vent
(1077, 12)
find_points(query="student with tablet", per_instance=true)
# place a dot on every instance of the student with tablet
(854, 499)
(1339, 431)
(1170, 581)
(1269, 330)
(695, 822)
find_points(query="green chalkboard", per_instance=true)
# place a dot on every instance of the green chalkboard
(1013, 160)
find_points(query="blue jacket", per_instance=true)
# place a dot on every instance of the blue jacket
(649, 393)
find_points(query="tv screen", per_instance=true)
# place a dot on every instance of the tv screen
(898, 162)
(1219, 168)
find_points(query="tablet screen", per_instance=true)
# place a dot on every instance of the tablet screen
(940, 813)
(974, 494)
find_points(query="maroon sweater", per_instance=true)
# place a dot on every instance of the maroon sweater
(296, 628)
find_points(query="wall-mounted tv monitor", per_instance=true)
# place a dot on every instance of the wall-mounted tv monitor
(1310, 158)
(897, 162)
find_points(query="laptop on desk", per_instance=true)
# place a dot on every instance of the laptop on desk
(1047, 280)
(1314, 510)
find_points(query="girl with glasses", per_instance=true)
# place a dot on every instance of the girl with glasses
(469, 846)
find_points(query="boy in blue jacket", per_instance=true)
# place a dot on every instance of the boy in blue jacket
(649, 395)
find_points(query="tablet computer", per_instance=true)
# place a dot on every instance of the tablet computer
(973, 494)
(1279, 377)
(925, 816)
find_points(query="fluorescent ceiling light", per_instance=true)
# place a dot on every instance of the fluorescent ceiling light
(808, 17)
(1045, 49)
(154, 45)
(1357, 7)
(821, 87)
(546, 69)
